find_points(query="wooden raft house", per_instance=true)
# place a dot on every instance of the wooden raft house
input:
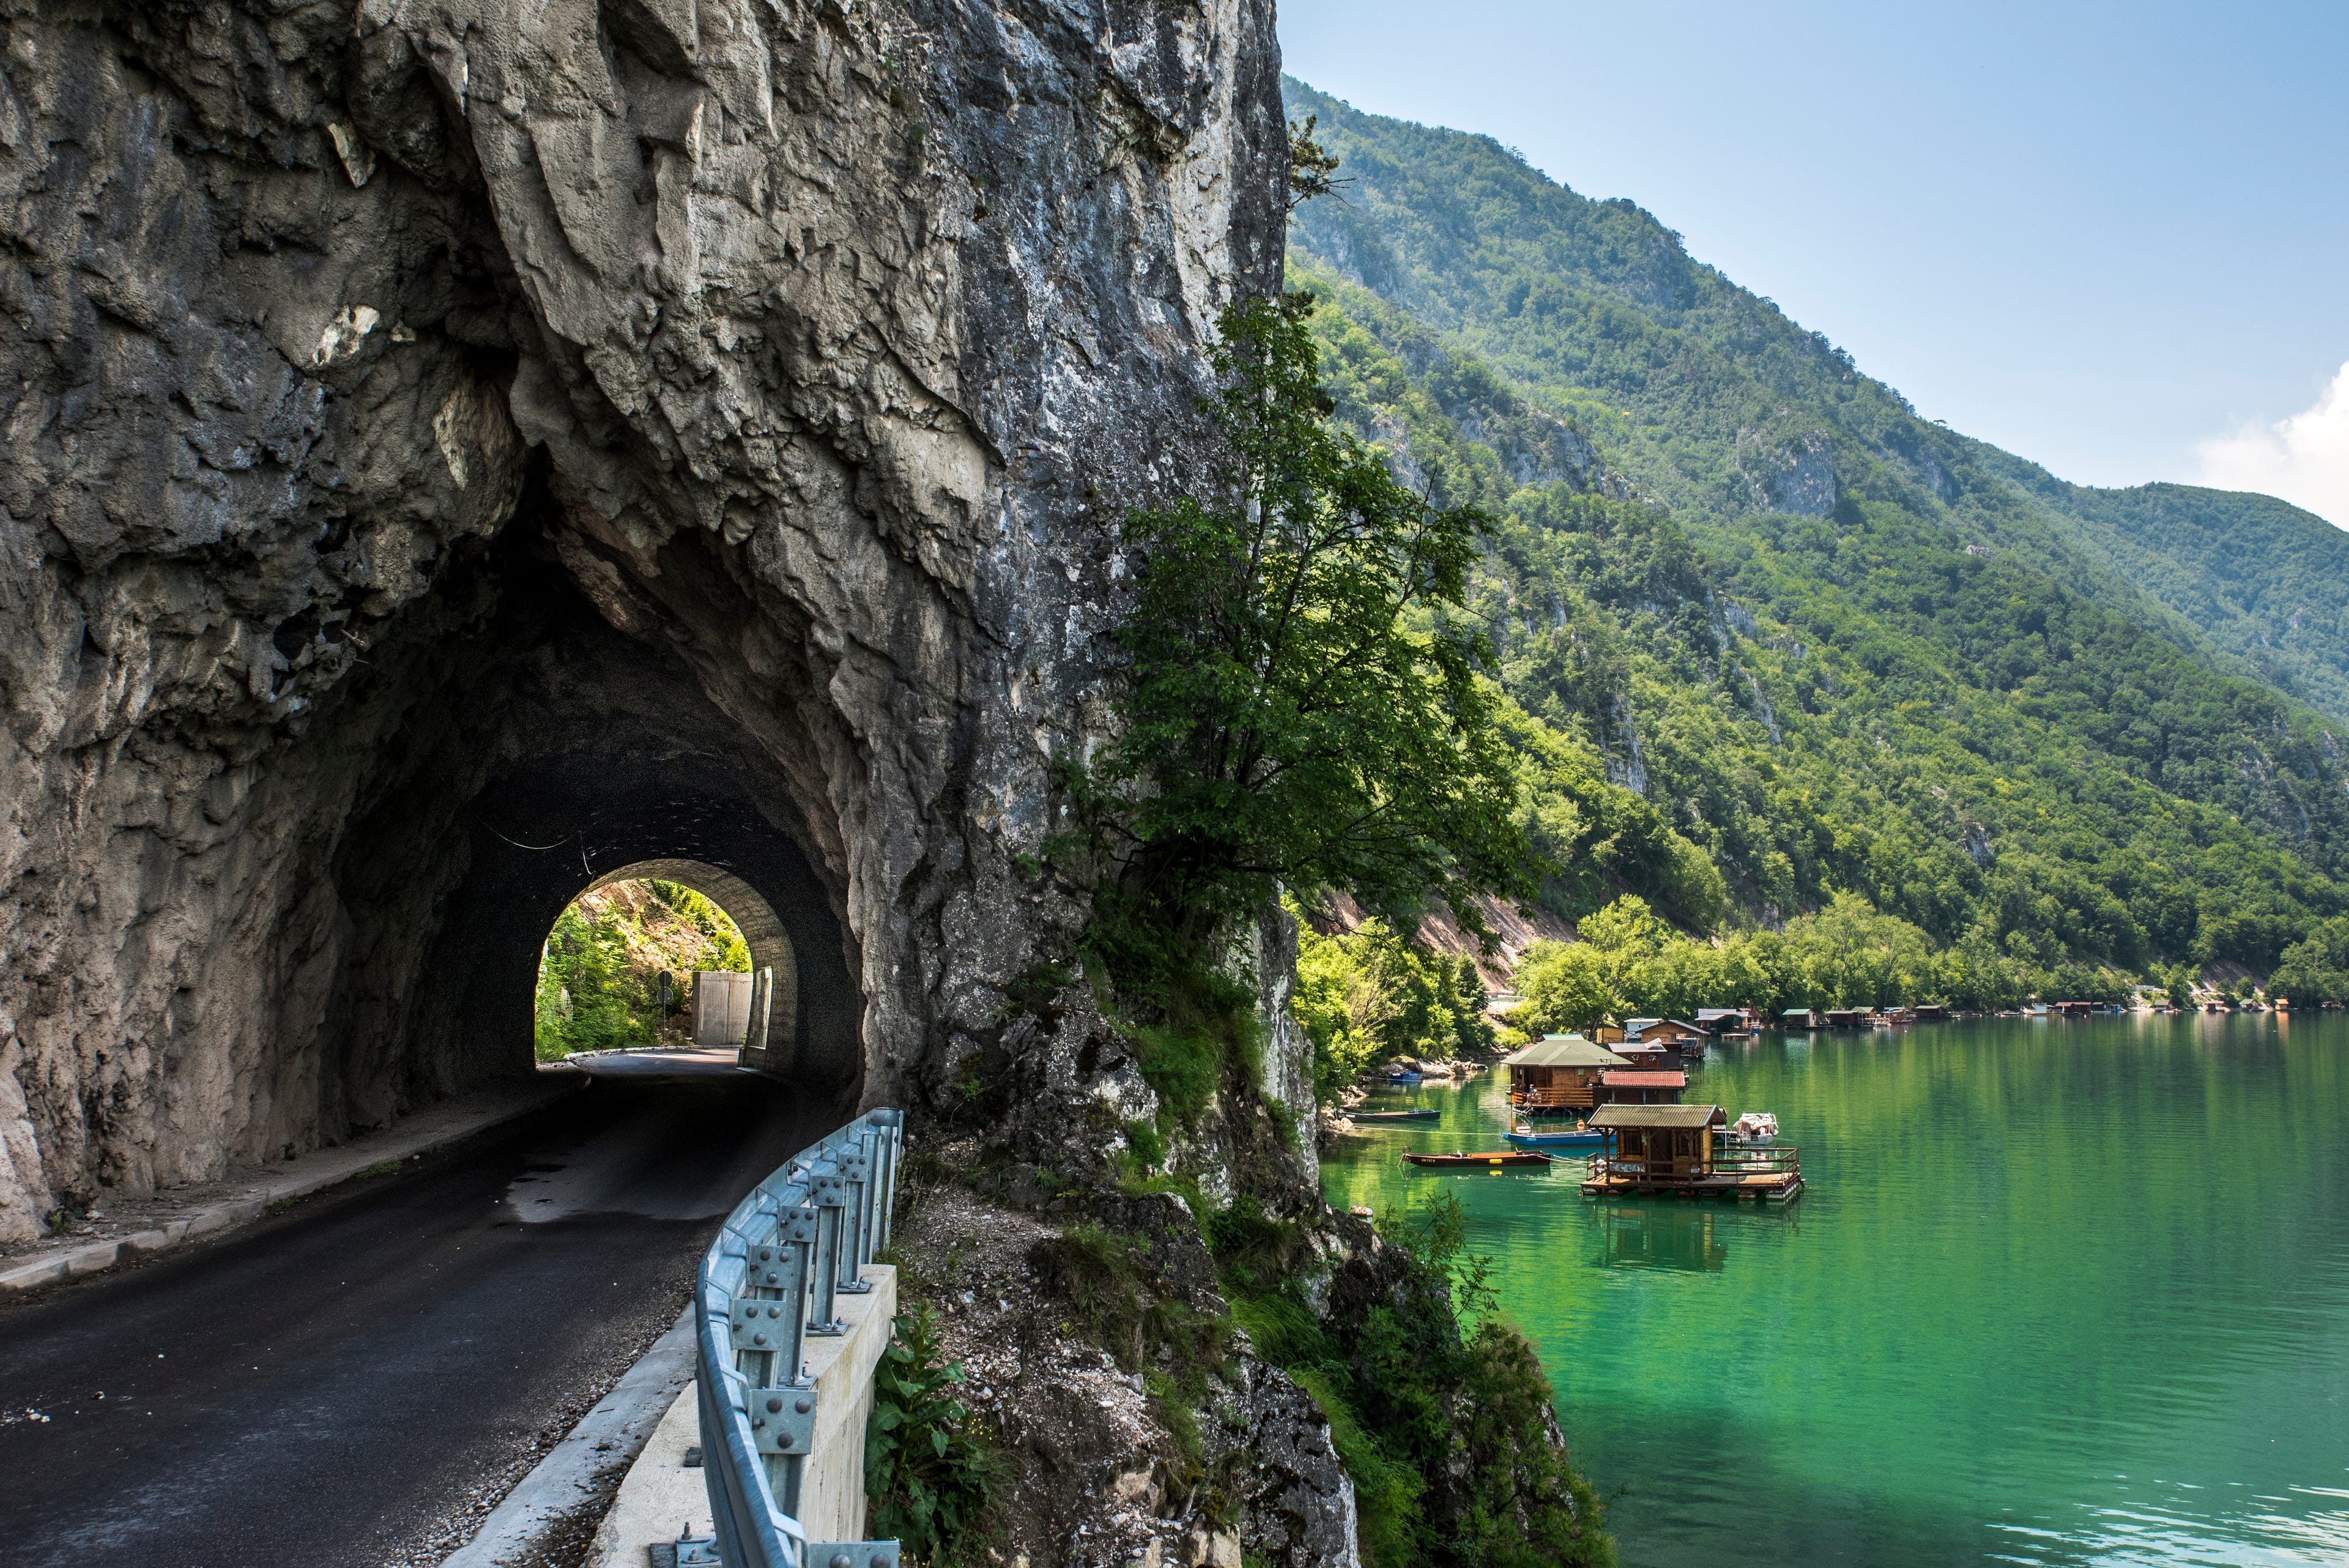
(1559, 1073)
(1664, 1031)
(1797, 1019)
(1683, 1150)
(1633, 1086)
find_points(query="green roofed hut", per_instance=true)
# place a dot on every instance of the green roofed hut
(1685, 1150)
(1557, 1075)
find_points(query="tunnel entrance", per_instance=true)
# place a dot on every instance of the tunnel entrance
(520, 750)
(654, 955)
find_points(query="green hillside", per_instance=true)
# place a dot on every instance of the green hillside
(2262, 579)
(1732, 587)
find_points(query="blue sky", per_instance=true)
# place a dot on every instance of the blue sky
(2111, 238)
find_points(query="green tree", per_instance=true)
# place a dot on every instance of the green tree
(1304, 707)
(1368, 994)
(2315, 969)
(1565, 986)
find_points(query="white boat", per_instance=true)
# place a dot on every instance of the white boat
(1753, 1127)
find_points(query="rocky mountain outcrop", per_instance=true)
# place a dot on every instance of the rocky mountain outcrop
(458, 447)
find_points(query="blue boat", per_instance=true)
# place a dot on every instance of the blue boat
(1569, 1137)
(1403, 1077)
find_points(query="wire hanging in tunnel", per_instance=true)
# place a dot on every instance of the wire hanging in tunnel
(537, 848)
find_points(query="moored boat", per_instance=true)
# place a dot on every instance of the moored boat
(1478, 1160)
(1375, 1117)
(1402, 1075)
(1525, 1137)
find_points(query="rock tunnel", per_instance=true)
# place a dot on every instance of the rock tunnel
(497, 775)
(663, 787)
(459, 451)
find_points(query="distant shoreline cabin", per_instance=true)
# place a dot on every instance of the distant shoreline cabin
(1558, 1073)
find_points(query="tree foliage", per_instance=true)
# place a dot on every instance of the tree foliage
(1368, 994)
(1312, 167)
(1849, 954)
(2316, 968)
(1304, 707)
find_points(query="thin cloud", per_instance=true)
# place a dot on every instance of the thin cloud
(2303, 459)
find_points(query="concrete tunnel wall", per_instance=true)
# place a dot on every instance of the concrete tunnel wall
(763, 933)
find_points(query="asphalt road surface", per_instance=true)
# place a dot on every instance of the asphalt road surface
(337, 1384)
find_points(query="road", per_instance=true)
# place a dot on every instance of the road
(337, 1383)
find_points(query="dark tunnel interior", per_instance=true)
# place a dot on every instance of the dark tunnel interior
(509, 750)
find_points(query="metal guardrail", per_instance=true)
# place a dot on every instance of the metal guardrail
(773, 1277)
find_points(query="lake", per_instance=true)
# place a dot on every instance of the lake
(2057, 1294)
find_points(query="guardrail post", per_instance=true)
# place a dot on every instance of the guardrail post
(892, 1140)
(828, 1189)
(855, 1215)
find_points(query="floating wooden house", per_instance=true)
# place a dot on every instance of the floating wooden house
(1850, 1017)
(1558, 1073)
(1669, 1031)
(1723, 1020)
(1680, 1149)
(1636, 1086)
(1931, 1013)
(1655, 1057)
(1799, 1018)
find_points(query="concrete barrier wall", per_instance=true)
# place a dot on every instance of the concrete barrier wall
(661, 1496)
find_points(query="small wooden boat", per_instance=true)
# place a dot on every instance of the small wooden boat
(1478, 1161)
(1524, 1137)
(1426, 1116)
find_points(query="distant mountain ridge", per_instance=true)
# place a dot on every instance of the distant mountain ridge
(1770, 635)
(1742, 410)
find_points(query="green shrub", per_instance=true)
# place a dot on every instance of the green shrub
(1387, 1490)
(926, 1469)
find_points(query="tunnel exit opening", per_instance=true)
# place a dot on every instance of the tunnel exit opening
(668, 954)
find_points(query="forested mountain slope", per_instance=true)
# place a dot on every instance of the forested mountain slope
(1733, 574)
(2263, 580)
(1712, 398)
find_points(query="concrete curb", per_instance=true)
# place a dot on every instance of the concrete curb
(607, 1438)
(657, 1491)
(433, 1127)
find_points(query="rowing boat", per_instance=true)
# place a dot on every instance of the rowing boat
(1427, 1116)
(1478, 1161)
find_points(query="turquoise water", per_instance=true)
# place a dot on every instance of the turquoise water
(2058, 1294)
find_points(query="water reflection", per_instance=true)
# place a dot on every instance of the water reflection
(1661, 1236)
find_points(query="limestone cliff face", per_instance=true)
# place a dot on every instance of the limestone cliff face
(456, 446)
